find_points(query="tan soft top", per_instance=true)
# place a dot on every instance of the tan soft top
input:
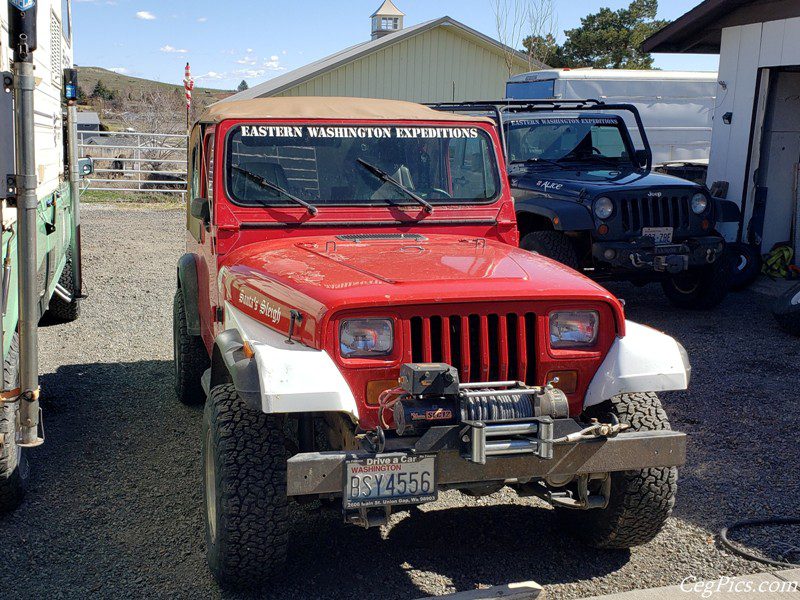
(327, 107)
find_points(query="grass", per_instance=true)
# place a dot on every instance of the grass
(133, 200)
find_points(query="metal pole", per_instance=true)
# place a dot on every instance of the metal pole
(23, 40)
(75, 194)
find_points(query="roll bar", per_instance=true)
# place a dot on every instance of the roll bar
(497, 108)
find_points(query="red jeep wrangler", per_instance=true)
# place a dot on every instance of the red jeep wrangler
(355, 313)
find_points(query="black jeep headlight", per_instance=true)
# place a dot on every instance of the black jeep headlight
(603, 207)
(363, 338)
(699, 203)
(573, 328)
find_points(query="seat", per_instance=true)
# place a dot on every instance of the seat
(247, 190)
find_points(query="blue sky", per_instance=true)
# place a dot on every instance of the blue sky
(256, 40)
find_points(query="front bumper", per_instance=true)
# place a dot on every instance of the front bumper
(642, 255)
(322, 473)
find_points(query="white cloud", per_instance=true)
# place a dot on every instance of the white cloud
(283, 52)
(210, 75)
(247, 60)
(145, 15)
(120, 70)
(273, 64)
(202, 19)
(172, 50)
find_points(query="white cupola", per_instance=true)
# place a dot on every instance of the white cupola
(387, 19)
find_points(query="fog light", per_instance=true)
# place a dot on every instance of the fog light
(610, 254)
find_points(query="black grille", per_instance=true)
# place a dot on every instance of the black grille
(661, 211)
(483, 347)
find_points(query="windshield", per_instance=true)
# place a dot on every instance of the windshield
(275, 165)
(564, 139)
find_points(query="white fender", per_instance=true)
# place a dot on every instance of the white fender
(293, 377)
(645, 360)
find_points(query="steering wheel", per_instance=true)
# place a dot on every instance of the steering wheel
(441, 193)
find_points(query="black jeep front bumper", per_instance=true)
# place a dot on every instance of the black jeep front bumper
(641, 255)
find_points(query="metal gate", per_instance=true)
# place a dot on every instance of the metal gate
(136, 162)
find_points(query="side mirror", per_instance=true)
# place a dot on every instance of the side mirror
(640, 157)
(201, 209)
(85, 166)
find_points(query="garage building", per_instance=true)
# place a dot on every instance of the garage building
(755, 142)
(435, 61)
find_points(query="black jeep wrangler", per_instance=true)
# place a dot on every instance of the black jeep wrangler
(586, 196)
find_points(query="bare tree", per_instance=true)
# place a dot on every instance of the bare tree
(510, 21)
(542, 26)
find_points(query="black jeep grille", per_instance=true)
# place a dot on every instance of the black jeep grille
(649, 211)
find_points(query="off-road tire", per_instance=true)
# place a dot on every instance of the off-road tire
(745, 265)
(552, 244)
(787, 311)
(700, 289)
(14, 468)
(640, 501)
(244, 480)
(190, 357)
(59, 310)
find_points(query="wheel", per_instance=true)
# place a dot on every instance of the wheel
(58, 309)
(702, 288)
(244, 484)
(787, 311)
(746, 265)
(640, 501)
(552, 244)
(14, 468)
(191, 358)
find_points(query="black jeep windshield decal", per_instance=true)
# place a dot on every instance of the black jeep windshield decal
(564, 139)
(320, 164)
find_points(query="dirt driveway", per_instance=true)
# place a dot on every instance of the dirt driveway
(114, 508)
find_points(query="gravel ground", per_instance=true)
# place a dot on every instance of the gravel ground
(114, 508)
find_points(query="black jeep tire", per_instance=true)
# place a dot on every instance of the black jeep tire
(190, 357)
(745, 265)
(552, 244)
(244, 490)
(700, 289)
(787, 311)
(640, 501)
(59, 310)
(14, 467)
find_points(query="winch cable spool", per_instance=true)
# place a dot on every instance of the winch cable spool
(498, 408)
(727, 544)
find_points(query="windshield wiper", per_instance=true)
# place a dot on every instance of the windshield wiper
(267, 184)
(384, 176)
(536, 161)
(585, 157)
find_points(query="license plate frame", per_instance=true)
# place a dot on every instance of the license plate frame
(388, 467)
(661, 235)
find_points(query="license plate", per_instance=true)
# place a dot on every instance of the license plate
(390, 479)
(661, 235)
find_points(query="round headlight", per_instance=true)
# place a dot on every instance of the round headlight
(699, 203)
(603, 207)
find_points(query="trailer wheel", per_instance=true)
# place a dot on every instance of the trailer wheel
(190, 356)
(700, 289)
(60, 310)
(552, 244)
(745, 265)
(640, 501)
(787, 311)
(14, 468)
(244, 483)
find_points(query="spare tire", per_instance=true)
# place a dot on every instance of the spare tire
(746, 265)
(787, 311)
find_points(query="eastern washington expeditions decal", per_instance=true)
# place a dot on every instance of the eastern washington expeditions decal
(336, 131)
(566, 121)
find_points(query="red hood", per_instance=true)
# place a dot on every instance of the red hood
(323, 274)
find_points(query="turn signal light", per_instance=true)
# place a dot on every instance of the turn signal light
(376, 388)
(705, 224)
(603, 229)
(247, 350)
(567, 380)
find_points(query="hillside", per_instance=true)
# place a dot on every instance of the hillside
(133, 87)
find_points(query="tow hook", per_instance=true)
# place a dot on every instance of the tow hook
(595, 430)
(711, 255)
(578, 499)
(636, 261)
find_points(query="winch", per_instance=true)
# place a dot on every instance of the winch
(499, 417)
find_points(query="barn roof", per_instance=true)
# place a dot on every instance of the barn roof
(329, 63)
